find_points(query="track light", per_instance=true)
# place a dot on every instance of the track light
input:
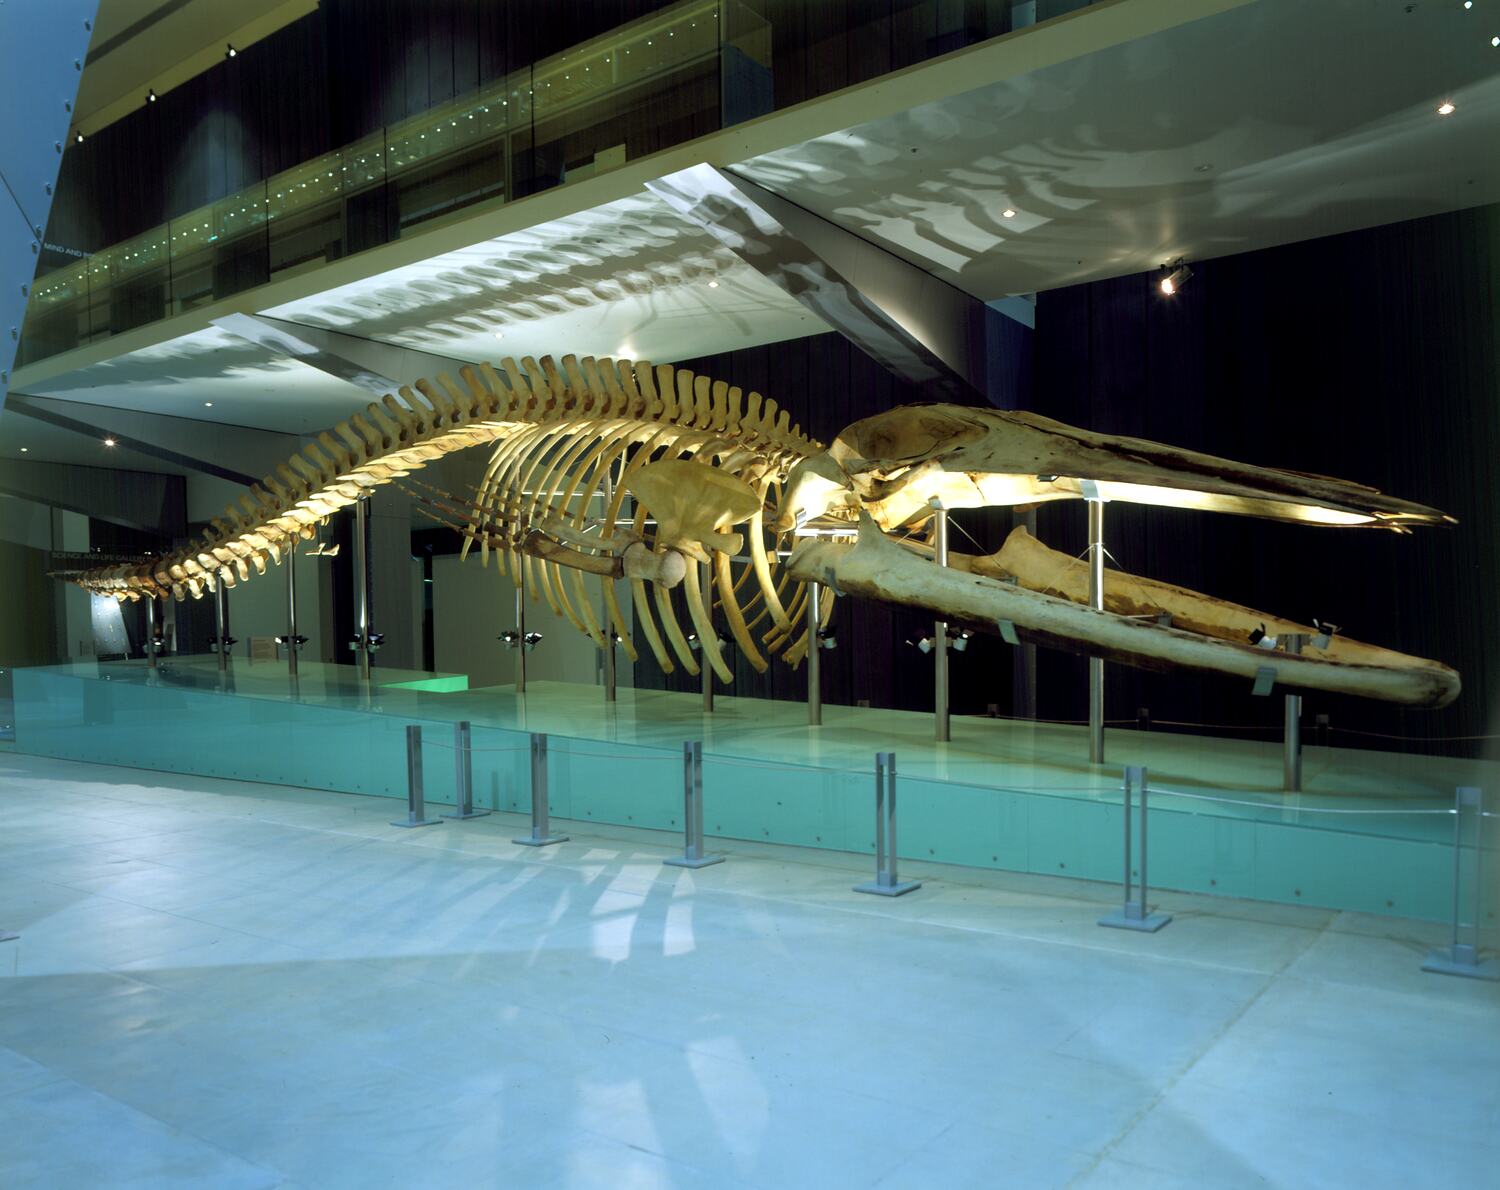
(230, 51)
(150, 95)
(1173, 278)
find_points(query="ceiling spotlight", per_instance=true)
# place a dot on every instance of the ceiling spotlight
(713, 285)
(499, 334)
(1174, 276)
(150, 96)
(24, 449)
(109, 442)
(230, 51)
(208, 404)
(1008, 213)
(1446, 108)
(1468, 4)
(78, 138)
(1495, 41)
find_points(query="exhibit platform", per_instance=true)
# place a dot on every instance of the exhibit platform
(1372, 831)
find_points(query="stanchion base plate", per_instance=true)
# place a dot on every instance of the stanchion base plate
(530, 841)
(1442, 962)
(900, 888)
(470, 814)
(422, 822)
(682, 861)
(1120, 920)
(7, 937)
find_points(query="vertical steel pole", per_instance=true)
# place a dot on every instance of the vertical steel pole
(1135, 914)
(541, 822)
(886, 883)
(814, 656)
(1459, 957)
(291, 607)
(692, 811)
(1096, 601)
(463, 773)
(607, 529)
(220, 595)
(1291, 739)
(150, 632)
(362, 583)
(706, 592)
(416, 806)
(940, 631)
(521, 632)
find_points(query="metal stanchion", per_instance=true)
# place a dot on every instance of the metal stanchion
(222, 641)
(814, 656)
(608, 529)
(940, 630)
(541, 825)
(692, 811)
(1135, 915)
(1096, 601)
(886, 882)
(1459, 957)
(291, 606)
(463, 773)
(521, 633)
(706, 587)
(416, 808)
(362, 585)
(1291, 740)
(150, 632)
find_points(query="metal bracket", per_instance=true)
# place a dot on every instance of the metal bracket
(1008, 632)
(1265, 679)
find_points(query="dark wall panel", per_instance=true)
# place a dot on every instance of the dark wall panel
(1369, 356)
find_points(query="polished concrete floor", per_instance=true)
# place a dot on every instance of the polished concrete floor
(225, 984)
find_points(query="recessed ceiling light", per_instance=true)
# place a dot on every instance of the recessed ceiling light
(1468, 3)
(208, 404)
(1495, 41)
(109, 442)
(1009, 213)
(1446, 108)
(499, 334)
(713, 285)
(24, 449)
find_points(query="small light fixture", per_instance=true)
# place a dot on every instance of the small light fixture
(713, 285)
(1173, 277)
(78, 138)
(1008, 213)
(208, 404)
(109, 442)
(1468, 4)
(24, 449)
(499, 334)
(230, 51)
(1495, 41)
(150, 95)
(1446, 108)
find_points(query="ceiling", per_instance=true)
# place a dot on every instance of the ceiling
(1270, 123)
(1265, 124)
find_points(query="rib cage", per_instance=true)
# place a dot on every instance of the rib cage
(563, 437)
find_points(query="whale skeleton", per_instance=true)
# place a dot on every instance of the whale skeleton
(723, 483)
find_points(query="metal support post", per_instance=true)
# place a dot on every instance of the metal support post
(521, 633)
(362, 585)
(150, 632)
(291, 607)
(1135, 915)
(886, 882)
(706, 589)
(416, 807)
(814, 656)
(692, 811)
(940, 630)
(221, 595)
(463, 773)
(607, 530)
(541, 825)
(1291, 739)
(1461, 957)
(1096, 601)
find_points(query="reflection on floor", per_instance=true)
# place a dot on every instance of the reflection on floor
(227, 984)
